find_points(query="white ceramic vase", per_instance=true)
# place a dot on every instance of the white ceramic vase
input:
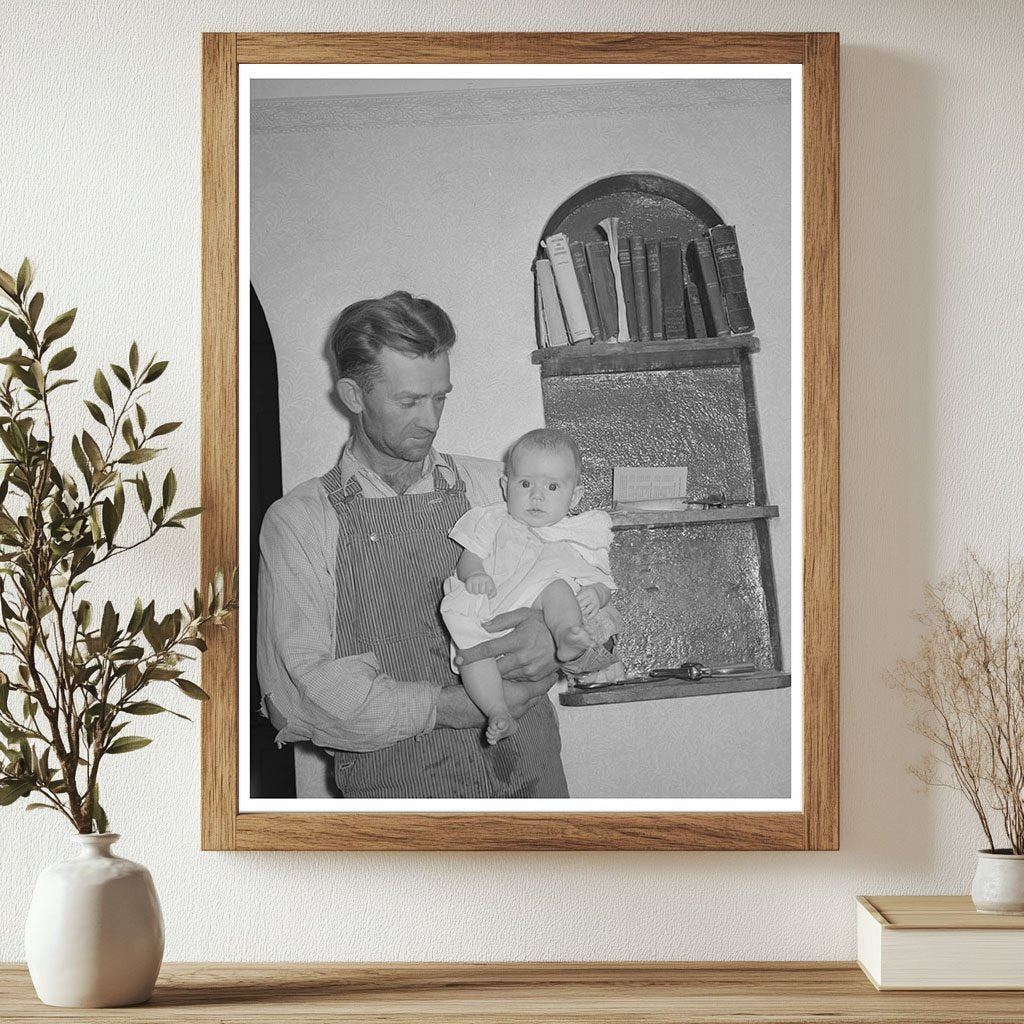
(95, 934)
(999, 883)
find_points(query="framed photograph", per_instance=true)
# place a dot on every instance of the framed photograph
(632, 239)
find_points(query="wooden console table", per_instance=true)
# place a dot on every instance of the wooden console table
(565, 993)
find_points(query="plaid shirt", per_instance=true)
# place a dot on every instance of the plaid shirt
(340, 703)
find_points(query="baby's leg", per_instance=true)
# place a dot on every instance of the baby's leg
(482, 681)
(563, 617)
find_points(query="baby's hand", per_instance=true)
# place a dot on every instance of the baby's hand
(480, 583)
(589, 601)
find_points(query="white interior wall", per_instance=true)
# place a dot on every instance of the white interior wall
(101, 184)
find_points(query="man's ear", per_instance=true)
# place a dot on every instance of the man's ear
(351, 395)
(577, 496)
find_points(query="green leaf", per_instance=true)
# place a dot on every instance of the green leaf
(4, 314)
(102, 388)
(140, 415)
(41, 807)
(60, 326)
(108, 627)
(26, 274)
(34, 308)
(138, 455)
(99, 817)
(133, 358)
(145, 498)
(125, 744)
(154, 371)
(80, 458)
(143, 707)
(20, 328)
(109, 521)
(92, 449)
(121, 374)
(170, 487)
(191, 690)
(119, 499)
(185, 513)
(7, 283)
(11, 791)
(128, 433)
(63, 359)
(95, 412)
(165, 428)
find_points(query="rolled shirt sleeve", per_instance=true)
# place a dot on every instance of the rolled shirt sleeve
(309, 694)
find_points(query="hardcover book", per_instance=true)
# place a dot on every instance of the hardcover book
(673, 292)
(939, 942)
(599, 261)
(557, 248)
(551, 308)
(726, 250)
(705, 277)
(628, 291)
(694, 316)
(654, 283)
(579, 262)
(641, 287)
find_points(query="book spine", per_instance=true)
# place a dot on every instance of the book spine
(557, 247)
(673, 294)
(641, 287)
(551, 308)
(694, 316)
(729, 265)
(599, 260)
(628, 292)
(702, 270)
(654, 284)
(579, 262)
(543, 338)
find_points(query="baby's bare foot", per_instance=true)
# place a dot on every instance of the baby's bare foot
(572, 642)
(499, 727)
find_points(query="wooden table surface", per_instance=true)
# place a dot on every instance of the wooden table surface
(836, 993)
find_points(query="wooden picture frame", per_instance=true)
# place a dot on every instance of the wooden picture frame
(816, 826)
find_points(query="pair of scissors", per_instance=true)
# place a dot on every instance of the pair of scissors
(694, 671)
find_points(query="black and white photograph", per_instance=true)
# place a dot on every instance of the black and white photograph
(520, 438)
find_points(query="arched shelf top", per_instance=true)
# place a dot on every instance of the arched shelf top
(646, 204)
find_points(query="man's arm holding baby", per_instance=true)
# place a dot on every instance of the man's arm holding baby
(525, 657)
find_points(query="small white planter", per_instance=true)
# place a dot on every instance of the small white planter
(95, 933)
(999, 883)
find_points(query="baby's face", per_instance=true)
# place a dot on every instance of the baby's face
(541, 486)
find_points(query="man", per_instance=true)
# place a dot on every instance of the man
(352, 654)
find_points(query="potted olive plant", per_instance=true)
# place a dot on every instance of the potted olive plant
(967, 682)
(78, 672)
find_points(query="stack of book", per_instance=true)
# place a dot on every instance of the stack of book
(669, 289)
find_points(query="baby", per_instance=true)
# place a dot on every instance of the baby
(530, 553)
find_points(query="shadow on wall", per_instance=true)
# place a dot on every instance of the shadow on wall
(887, 330)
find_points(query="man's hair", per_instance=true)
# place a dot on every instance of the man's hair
(549, 440)
(398, 321)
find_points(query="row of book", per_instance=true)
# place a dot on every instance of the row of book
(658, 289)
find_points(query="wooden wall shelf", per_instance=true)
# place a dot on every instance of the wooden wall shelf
(521, 993)
(686, 517)
(668, 689)
(628, 357)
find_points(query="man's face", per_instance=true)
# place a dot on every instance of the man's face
(541, 486)
(401, 409)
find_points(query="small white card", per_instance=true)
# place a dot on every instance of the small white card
(637, 483)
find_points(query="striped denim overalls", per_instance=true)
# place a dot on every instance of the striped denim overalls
(394, 554)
